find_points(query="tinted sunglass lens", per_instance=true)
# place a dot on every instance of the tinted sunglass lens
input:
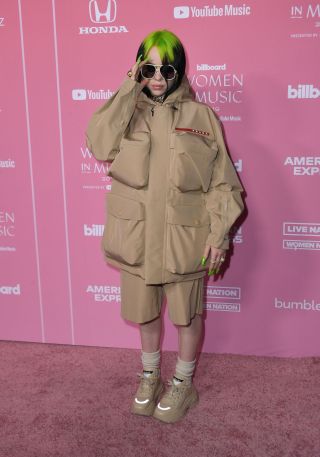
(148, 71)
(167, 71)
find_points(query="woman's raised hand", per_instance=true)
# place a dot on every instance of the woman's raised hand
(135, 70)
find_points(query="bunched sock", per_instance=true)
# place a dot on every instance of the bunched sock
(150, 362)
(184, 371)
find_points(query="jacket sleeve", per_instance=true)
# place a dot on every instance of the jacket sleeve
(108, 124)
(223, 199)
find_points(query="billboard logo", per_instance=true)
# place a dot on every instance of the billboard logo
(303, 91)
(10, 290)
(1, 21)
(181, 12)
(105, 15)
(206, 67)
(93, 230)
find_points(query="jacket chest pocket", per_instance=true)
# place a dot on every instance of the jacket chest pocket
(123, 236)
(187, 230)
(131, 164)
(192, 163)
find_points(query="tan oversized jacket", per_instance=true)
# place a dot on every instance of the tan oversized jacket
(174, 187)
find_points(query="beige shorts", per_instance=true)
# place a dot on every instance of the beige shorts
(141, 303)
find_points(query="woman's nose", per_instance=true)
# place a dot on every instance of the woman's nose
(158, 76)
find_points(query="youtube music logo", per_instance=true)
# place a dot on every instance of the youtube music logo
(181, 12)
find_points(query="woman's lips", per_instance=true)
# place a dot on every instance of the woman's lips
(157, 87)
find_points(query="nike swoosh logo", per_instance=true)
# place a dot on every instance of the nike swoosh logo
(164, 408)
(141, 402)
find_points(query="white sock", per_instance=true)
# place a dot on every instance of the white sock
(184, 371)
(150, 362)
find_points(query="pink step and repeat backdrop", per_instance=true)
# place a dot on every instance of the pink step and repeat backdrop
(257, 65)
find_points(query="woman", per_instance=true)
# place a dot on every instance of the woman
(175, 195)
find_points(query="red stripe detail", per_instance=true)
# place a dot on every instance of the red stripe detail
(192, 131)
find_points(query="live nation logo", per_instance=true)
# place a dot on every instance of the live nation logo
(102, 14)
(94, 172)
(310, 231)
(217, 298)
(103, 293)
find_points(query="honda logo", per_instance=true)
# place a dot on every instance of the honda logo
(99, 16)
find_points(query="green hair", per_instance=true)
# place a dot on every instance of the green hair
(165, 41)
(170, 50)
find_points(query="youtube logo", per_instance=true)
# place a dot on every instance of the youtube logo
(79, 94)
(181, 12)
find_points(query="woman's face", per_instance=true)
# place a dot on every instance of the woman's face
(158, 85)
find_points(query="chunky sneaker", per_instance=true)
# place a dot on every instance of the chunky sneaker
(148, 393)
(175, 402)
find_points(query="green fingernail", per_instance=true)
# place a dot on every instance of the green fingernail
(203, 260)
(211, 272)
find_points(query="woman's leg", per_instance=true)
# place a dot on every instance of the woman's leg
(189, 337)
(150, 333)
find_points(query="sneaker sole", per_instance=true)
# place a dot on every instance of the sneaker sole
(169, 418)
(148, 410)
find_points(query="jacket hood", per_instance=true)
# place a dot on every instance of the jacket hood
(182, 94)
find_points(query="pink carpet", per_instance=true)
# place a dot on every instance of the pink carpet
(73, 401)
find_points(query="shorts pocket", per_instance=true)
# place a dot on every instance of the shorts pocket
(192, 161)
(131, 164)
(124, 232)
(187, 230)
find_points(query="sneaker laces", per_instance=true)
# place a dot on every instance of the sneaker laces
(175, 391)
(146, 384)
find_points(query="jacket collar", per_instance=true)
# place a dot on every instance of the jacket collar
(182, 94)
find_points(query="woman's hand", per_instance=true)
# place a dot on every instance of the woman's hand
(216, 258)
(135, 71)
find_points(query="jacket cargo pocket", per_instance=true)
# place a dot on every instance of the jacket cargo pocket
(131, 164)
(187, 230)
(123, 236)
(192, 161)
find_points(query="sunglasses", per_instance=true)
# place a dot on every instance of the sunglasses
(148, 71)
